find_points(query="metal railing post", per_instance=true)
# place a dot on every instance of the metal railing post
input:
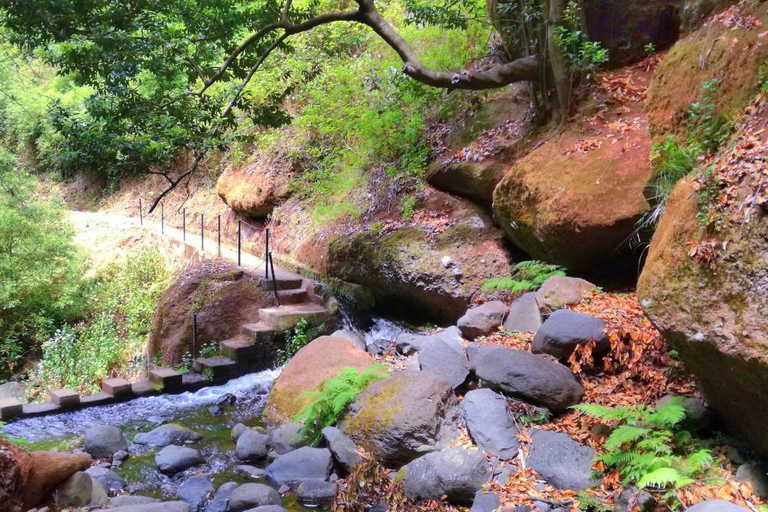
(239, 241)
(141, 214)
(266, 256)
(271, 263)
(202, 232)
(162, 219)
(218, 219)
(184, 224)
(194, 336)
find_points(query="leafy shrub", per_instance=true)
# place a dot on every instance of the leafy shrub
(581, 53)
(647, 446)
(302, 334)
(333, 397)
(526, 276)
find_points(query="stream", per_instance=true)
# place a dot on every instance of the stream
(199, 411)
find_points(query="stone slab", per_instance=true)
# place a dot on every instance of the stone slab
(118, 388)
(64, 397)
(170, 379)
(10, 408)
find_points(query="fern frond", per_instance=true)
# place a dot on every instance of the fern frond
(659, 478)
(698, 461)
(601, 412)
(669, 415)
(624, 434)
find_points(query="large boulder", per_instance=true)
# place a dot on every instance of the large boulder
(75, 491)
(196, 490)
(565, 330)
(526, 376)
(344, 449)
(174, 459)
(694, 12)
(167, 434)
(103, 441)
(575, 199)
(224, 298)
(107, 478)
(716, 506)
(299, 465)
(403, 417)
(444, 356)
(318, 361)
(559, 292)
(482, 320)
(163, 506)
(456, 473)
(252, 445)
(561, 461)
(286, 438)
(490, 424)
(255, 189)
(250, 496)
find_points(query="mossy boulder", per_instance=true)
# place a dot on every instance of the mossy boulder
(224, 298)
(723, 50)
(256, 188)
(694, 12)
(318, 361)
(575, 199)
(403, 417)
(714, 315)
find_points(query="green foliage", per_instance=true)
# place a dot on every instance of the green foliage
(302, 334)
(408, 208)
(708, 129)
(650, 49)
(121, 304)
(18, 441)
(647, 446)
(210, 349)
(763, 77)
(526, 276)
(589, 503)
(709, 217)
(581, 53)
(40, 267)
(208, 373)
(332, 398)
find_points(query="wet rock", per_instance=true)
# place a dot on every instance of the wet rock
(252, 445)
(196, 491)
(163, 506)
(267, 508)
(238, 430)
(174, 459)
(103, 441)
(75, 491)
(403, 417)
(559, 292)
(166, 435)
(227, 399)
(286, 438)
(698, 417)
(355, 338)
(344, 450)
(408, 343)
(250, 496)
(319, 360)
(303, 464)
(526, 376)
(249, 471)
(482, 320)
(561, 461)
(108, 479)
(381, 346)
(126, 500)
(316, 492)
(631, 498)
(444, 356)
(524, 314)
(716, 506)
(119, 456)
(755, 473)
(565, 330)
(485, 502)
(220, 501)
(490, 424)
(456, 473)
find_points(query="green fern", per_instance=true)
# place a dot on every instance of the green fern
(526, 276)
(332, 398)
(648, 448)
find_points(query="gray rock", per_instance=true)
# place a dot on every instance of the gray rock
(354, 338)
(220, 501)
(485, 502)
(526, 376)
(250, 496)
(404, 417)
(252, 445)
(444, 356)
(126, 500)
(103, 441)
(482, 320)
(524, 314)
(286, 438)
(166, 435)
(316, 492)
(175, 459)
(249, 471)
(457, 473)
(380, 346)
(299, 465)
(99, 496)
(698, 417)
(717, 506)
(490, 424)
(238, 430)
(108, 479)
(565, 330)
(12, 389)
(196, 491)
(631, 498)
(75, 491)
(120, 456)
(344, 450)
(162, 506)
(755, 473)
(559, 291)
(408, 343)
(267, 508)
(505, 474)
(560, 460)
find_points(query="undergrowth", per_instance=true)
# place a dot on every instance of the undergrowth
(302, 334)
(526, 276)
(648, 448)
(332, 398)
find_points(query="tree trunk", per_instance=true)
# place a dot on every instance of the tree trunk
(554, 10)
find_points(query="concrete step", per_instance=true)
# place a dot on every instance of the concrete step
(223, 368)
(292, 296)
(236, 348)
(283, 318)
(282, 282)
